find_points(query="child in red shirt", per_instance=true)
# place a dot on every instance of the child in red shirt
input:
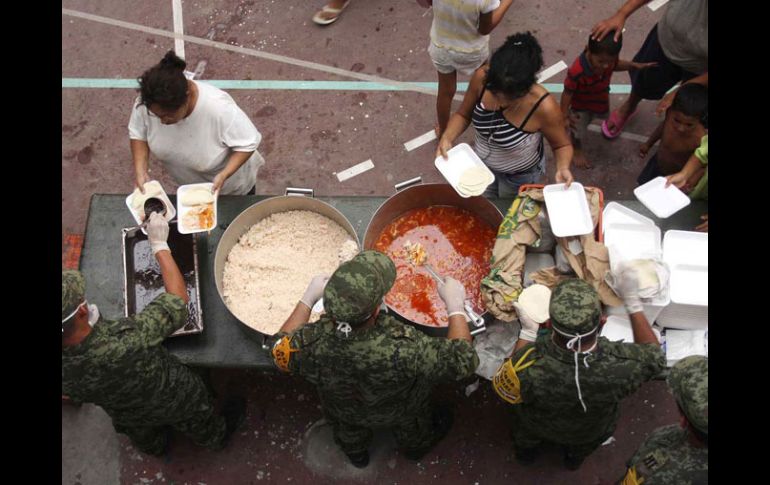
(587, 88)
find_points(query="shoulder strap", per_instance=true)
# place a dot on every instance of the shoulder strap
(533, 110)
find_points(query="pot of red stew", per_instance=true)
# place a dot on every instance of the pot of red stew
(457, 234)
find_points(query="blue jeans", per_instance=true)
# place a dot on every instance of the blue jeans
(506, 185)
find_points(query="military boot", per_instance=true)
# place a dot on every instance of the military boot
(234, 412)
(443, 417)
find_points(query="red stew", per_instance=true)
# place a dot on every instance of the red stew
(458, 243)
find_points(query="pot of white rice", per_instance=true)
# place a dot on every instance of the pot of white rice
(269, 253)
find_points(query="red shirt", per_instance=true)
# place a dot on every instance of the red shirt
(590, 91)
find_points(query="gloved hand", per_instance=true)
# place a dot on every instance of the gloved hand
(315, 290)
(157, 233)
(453, 294)
(628, 288)
(529, 327)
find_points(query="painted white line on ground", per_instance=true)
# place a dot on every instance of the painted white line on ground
(420, 140)
(355, 170)
(551, 71)
(627, 136)
(405, 86)
(176, 7)
(656, 4)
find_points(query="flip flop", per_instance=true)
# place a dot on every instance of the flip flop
(618, 122)
(337, 11)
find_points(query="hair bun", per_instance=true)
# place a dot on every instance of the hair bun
(173, 61)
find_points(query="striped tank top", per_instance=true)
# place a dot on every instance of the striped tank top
(502, 146)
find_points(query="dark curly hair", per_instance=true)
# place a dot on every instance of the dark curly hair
(164, 84)
(693, 100)
(607, 45)
(514, 65)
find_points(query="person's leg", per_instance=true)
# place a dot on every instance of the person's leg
(204, 428)
(447, 87)
(151, 440)
(650, 171)
(574, 455)
(510, 183)
(581, 121)
(652, 83)
(492, 192)
(353, 440)
(526, 445)
(417, 435)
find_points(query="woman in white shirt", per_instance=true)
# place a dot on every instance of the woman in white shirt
(195, 129)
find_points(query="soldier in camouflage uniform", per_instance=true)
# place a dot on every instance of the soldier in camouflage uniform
(121, 365)
(678, 454)
(370, 369)
(566, 384)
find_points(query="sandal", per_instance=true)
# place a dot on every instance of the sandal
(618, 122)
(327, 9)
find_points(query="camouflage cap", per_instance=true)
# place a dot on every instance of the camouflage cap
(575, 307)
(73, 290)
(689, 381)
(357, 287)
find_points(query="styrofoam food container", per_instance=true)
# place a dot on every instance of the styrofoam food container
(632, 241)
(568, 210)
(184, 209)
(618, 328)
(685, 317)
(170, 210)
(615, 213)
(686, 253)
(661, 200)
(459, 159)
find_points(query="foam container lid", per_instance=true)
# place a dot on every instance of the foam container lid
(170, 210)
(568, 210)
(686, 253)
(460, 158)
(615, 213)
(661, 200)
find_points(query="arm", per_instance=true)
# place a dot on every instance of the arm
(630, 65)
(628, 289)
(140, 153)
(679, 179)
(664, 103)
(298, 318)
(617, 21)
(654, 137)
(460, 119)
(172, 277)
(643, 333)
(488, 21)
(552, 126)
(236, 160)
(529, 328)
(301, 314)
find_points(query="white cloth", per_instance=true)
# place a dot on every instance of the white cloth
(456, 22)
(196, 149)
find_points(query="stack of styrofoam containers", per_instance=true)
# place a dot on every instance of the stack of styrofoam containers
(686, 254)
(629, 235)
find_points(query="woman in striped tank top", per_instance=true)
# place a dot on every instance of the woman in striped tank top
(511, 113)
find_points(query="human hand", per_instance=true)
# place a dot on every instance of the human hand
(157, 233)
(315, 290)
(444, 146)
(453, 294)
(644, 148)
(643, 65)
(142, 178)
(218, 181)
(616, 23)
(529, 327)
(679, 179)
(628, 287)
(564, 176)
(704, 226)
(665, 103)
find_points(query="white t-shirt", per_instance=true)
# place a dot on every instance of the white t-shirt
(683, 33)
(196, 149)
(456, 23)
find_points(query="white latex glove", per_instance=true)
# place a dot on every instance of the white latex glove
(529, 327)
(157, 233)
(453, 294)
(315, 290)
(628, 288)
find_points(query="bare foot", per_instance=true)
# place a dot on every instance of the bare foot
(580, 160)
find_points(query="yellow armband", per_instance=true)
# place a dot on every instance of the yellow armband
(506, 381)
(631, 478)
(282, 353)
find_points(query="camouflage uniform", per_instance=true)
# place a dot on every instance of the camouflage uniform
(379, 376)
(667, 457)
(122, 367)
(549, 404)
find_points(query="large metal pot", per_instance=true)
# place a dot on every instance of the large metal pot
(293, 200)
(408, 197)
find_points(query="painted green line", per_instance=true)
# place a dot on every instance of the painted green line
(105, 83)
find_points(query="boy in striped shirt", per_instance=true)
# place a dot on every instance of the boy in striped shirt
(587, 88)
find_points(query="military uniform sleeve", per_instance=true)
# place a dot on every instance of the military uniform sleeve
(444, 359)
(162, 317)
(289, 350)
(643, 362)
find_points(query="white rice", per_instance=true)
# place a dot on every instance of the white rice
(269, 268)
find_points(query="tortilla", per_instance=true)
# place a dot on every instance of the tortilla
(474, 180)
(535, 300)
